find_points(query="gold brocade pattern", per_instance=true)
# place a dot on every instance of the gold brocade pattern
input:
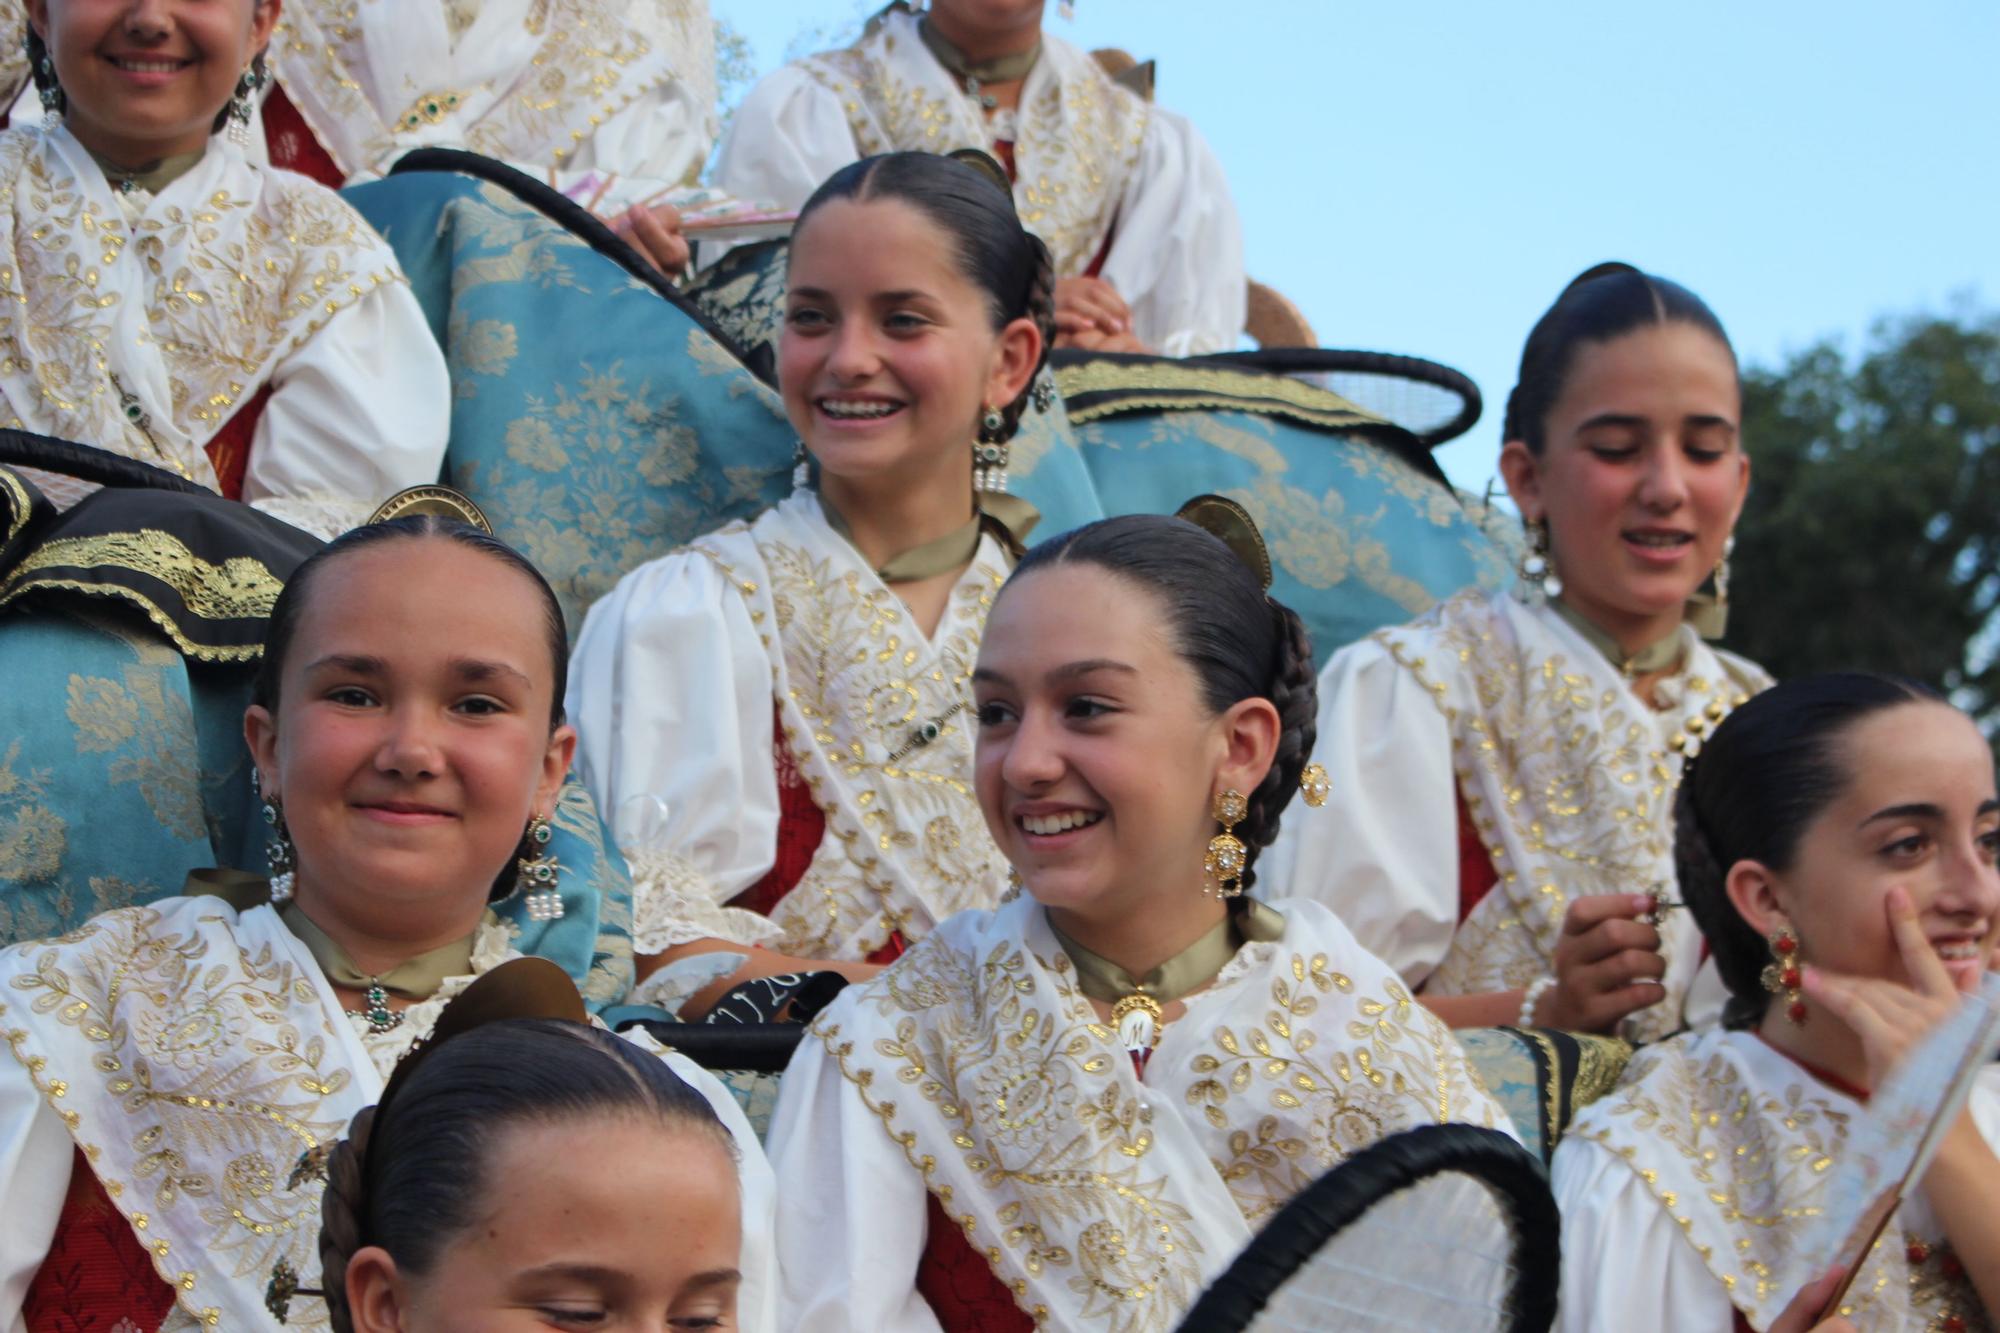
(1567, 777)
(194, 1069)
(1078, 140)
(1085, 1189)
(1398, 1066)
(240, 588)
(1740, 1158)
(587, 61)
(1160, 384)
(905, 843)
(189, 308)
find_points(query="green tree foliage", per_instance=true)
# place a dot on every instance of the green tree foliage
(1872, 534)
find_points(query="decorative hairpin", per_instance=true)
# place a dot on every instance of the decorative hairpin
(1232, 525)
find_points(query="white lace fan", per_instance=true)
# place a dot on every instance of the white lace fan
(1440, 1227)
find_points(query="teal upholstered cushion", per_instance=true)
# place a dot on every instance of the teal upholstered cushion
(1363, 530)
(597, 422)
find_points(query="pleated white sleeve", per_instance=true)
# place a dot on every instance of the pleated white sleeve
(789, 134)
(360, 411)
(852, 1237)
(1383, 852)
(1625, 1263)
(35, 1156)
(1177, 245)
(672, 697)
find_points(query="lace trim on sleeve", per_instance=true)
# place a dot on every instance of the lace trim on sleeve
(673, 903)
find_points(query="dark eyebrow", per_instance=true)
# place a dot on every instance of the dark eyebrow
(1987, 807)
(1067, 671)
(353, 664)
(1914, 810)
(1707, 419)
(472, 669)
(1625, 419)
(605, 1277)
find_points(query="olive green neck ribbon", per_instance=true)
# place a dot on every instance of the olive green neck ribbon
(153, 177)
(417, 979)
(1187, 971)
(1661, 655)
(1000, 69)
(1012, 515)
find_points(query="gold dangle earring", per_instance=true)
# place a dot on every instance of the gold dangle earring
(539, 873)
(243, 102)
(1782, 975)
(1315, 786)
(1227, 856)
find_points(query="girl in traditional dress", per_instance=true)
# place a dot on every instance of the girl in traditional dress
(1073, 1110)
(777, 718)
(1836, 842)
(168, 299)
(1507, 761)
(437, 1211)
(177, 1067)
(1128, 196)
(611, 101)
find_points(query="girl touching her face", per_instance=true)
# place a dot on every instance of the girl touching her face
(1507, 761)
(1836, 841)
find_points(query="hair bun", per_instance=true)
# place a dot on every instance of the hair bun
(986, 165)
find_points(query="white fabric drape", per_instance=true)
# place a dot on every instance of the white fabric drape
(974, 1070)
(672, 689)
(143, 323)
(554, 87)
(1092, 160)
(1686, 1190)
(250, 1059)
(1568, 777)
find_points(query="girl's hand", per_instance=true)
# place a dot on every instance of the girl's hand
(655, 232)
(1888, 1017)
(1799, 1314)
(1607, 964)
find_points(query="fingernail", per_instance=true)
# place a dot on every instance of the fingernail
(1899, 897)
(1642, 902)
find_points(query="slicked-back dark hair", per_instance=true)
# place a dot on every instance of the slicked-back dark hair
(995, 252)
(1761, 780)
(1241, 643)
(1604, 302)
(412, 1181)
(285, 615)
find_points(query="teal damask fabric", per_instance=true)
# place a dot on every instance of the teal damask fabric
(597, 423)
(123, 768)
(1359, 537)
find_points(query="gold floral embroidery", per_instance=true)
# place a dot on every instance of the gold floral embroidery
(172, 1053)
(1566, 780)
(228, 288)
(1398, 1068)
(152, 729)
(1740, 1164)
(591, 61)
(905, 843)
(33, 836)
(1077, 144)
(241, 588)
(1035, 1118)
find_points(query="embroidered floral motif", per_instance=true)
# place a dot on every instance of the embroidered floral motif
(193, 303)
(1569, 779)
(1735, 1143)
(906, 845)
(1078, 140)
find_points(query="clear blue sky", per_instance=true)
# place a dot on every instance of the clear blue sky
(1424, 177)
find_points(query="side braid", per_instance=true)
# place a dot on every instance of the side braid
(342, 1206)
(1295, 692)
